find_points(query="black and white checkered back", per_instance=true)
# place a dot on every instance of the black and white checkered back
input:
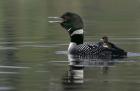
(91, 50)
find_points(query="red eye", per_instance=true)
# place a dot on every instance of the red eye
(66, 18)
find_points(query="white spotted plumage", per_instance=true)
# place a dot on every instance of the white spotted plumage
(89, 50)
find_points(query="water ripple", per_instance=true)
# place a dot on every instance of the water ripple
(5, 88)
(14, 67)
(61, 52)
(6, 48)
(131, 54)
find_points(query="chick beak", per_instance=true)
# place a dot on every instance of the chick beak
(55, 20)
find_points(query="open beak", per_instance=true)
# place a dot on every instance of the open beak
(55, 20)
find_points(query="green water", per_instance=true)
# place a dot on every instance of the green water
(31, 48)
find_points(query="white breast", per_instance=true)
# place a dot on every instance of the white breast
(71, 46)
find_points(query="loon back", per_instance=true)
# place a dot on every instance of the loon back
(89, 50)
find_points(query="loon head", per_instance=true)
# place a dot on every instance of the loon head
(73, 23)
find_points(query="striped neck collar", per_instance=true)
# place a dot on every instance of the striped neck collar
(79, 31)
(77, 36)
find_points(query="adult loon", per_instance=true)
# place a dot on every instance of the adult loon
(73, 23)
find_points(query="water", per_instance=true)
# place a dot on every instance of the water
(33, 52)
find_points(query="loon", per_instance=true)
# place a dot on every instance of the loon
(73, 23)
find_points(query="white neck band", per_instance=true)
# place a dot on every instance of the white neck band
(80, 31)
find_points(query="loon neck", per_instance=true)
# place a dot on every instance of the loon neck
(77, 36)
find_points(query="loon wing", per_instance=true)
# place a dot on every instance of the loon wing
(91, 50)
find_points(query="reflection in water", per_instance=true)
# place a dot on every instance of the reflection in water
(74, 78)
(76, 70)
(75, 75)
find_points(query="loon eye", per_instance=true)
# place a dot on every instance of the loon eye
(66, 18)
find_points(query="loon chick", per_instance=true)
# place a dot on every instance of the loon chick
(116, 51)
(73, 23)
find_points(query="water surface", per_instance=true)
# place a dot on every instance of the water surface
(33, 53)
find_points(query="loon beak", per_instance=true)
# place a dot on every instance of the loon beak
(55, 20)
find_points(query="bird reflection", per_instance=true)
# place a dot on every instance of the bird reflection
(74, 77)
(75, 74)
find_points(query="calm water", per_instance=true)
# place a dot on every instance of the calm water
(33, 52)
